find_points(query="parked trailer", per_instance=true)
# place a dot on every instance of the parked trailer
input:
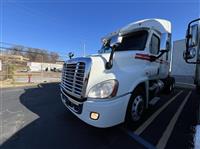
(37, 66)
(179, 67)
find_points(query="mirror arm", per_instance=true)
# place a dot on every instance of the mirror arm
(110, 61)
(188, 36)
(161, 54)
(186, 60)
(154, 58)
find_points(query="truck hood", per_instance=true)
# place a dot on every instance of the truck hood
(104, 56)
(125, 64)
(98, 73)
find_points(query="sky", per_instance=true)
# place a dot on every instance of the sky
(65, 25)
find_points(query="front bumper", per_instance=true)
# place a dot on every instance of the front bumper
(112, 111)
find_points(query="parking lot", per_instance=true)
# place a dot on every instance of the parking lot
(34, 117)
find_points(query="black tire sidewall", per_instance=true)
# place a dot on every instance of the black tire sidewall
(169, 82)
(198, 89)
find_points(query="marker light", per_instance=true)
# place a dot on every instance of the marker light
(94, 115)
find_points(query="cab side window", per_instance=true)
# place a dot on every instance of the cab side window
(155, 44)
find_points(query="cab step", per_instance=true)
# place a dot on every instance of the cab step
(154, 101)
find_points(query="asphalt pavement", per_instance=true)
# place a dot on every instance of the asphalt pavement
(34, 117)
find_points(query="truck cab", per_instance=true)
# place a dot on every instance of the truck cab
(118, 83)
(192, 53)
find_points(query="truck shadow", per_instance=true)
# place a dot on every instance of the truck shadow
(48, 124)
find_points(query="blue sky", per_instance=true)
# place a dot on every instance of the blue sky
(64, 25)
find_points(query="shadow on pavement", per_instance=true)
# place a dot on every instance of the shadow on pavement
(56, 127)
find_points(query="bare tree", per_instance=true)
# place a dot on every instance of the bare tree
(16, 50)
(31, 54)
(54, 57)
(45, 56)
(34, 54)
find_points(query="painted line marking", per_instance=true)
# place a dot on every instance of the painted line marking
(197, 138)
(139, 139)
(150, 120)
(167, 133)
(188, 84)
(11, 90)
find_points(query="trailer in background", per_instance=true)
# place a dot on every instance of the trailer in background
(179, 67)
(37, 67)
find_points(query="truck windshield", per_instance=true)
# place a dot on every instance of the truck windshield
(133, 41)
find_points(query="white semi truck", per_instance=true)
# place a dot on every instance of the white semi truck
(192, 53)
(129, 72)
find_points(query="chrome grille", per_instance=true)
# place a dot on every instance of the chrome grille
(75, 76)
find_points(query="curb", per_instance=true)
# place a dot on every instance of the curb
(26, 85)
(19, 86)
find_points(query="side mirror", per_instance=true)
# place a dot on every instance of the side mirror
(115, 41)
(192, 41)
(70, 55)
(165, 45)
(106, 42)
(165, 42)
(193, 36)
(189, 54)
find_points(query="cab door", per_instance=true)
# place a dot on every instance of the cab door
(154, 47)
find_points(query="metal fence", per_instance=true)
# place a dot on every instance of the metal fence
(17, 67)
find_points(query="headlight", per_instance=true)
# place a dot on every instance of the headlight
(106, 89)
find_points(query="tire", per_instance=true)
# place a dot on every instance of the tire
(198, 89)
(136, 107)
(169, 85)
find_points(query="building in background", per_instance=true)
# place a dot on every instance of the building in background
(60, 62)
(37, 66)
(182, 71)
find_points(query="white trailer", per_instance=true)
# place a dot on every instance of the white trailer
(179, 67)
(118, 84)
(37, 66)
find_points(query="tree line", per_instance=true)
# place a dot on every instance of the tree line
(34, 54)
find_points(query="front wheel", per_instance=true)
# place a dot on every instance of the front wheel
(136, 107)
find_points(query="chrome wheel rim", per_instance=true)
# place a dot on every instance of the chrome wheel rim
(137, 108)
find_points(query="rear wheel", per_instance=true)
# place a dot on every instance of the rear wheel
(198, 88)
(136, 107)
(169, 85)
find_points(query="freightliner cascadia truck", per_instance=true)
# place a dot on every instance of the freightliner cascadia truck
(192, 53)
(131, 69)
